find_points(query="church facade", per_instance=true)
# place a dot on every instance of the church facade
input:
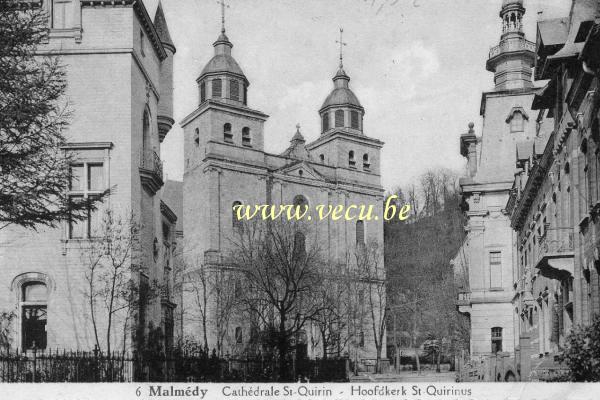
(226, 165)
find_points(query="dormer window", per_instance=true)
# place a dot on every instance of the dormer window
(246, 139)
(354, 119)
(339, 118)
(202, 91)
(216, 88)
(325, 122)
(366, 162)
(234, 90)
(351, 160)
(227, 135)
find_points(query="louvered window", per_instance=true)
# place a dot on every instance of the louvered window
(339, 118)
(202, 91)
(325, 122)
(227, 135)
(216, 88)
(234, 90)
(354, 119)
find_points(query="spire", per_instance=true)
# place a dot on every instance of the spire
(297, 148)
(223, 6)
(298, 136)
(223, 45)
(512, 59)
(342, 44)
(160, 23)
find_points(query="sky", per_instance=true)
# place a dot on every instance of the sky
(417, 67)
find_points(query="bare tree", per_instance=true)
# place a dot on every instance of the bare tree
(281, 272)
(111, 275)
(371, 273)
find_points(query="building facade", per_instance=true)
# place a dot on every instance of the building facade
(484, 263)
(119, 65)
(226, 164)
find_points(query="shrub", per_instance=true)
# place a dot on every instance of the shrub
(582, 352)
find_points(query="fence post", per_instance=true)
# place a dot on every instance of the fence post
(34, 362)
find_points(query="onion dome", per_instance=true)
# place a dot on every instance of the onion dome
(341, 108)
(341, 94)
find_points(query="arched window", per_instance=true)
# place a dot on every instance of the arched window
(517, 122)
(234, 90)
(339, 118)
(351, 160)
(227, 135)
(354, 119)
(322, 157)
(216, 88)
(325, 120)
(360, 233)
(236, 223)
(366, 162)
(34, 303)
(202, 91)
(300, 201)
(299, 245)
(146, 132)
(246, 139)
(496, 339)
(197, 137)
(238, 335)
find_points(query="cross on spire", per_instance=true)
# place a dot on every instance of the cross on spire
(341, 42)
(223, 6)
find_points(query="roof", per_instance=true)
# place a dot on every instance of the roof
(297, 148)
(162, 29)
(222, 63)
(341, 96)
(553, 31)
(172, 195)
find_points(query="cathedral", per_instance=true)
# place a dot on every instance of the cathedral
(225, 164)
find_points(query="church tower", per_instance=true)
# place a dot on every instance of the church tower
(512, 59)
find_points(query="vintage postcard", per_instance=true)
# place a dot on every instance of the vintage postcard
(285, 199)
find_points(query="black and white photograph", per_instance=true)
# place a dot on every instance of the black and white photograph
(300, 199)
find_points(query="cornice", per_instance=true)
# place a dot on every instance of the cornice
(213, 104)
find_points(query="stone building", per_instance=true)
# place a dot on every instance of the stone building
(226, 164)
(484, 263)
(119, 65)
(555, 196)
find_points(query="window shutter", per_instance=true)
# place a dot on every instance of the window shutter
(354, 119)
(216, 88)
(339, 118)
(234, 90)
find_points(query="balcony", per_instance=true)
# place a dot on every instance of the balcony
(556, 251)
(151, 171)
(463, 302)
(512, 45)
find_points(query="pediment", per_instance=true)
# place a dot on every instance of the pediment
(301, 169)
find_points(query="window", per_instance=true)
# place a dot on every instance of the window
(227, 135)
(360, 233)
(87, 182)
(325, 120)
(238, 335)
(216, 88)
(234, 90)
(351, 160)
(361, 339)
(354, 119)
(300, 201)
(197, 137)
(366, 163)
(245, 94)
(62, 13)
(299, 245)
(236, 223)
(142, 44)
(34, 302)
(246, 139)
(495, 269)
(202, 91)
(496, 340)
(146, 133)
(339, 118)
(517, 122)
(322, 157)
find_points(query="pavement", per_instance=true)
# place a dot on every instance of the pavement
(405, 376)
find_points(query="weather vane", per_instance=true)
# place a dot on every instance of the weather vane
(223, 6)
(341, 42)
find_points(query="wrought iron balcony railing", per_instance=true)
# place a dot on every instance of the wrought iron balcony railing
(151, 170)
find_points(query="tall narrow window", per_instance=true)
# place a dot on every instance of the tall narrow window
(216, 88)
(87, 182)
(236, 223)
(299, 245)
(366, 162)
(227, 135)
(202, 91)
(354, 119)
(361, 339)
(496, 340)
(246, 139)
(245, 94)
(325, 120)
(142, 43)
(351, 160)
(146, 133)
(360, 233)
(517, 122)
(234, 90)
(62, 13)
(197, 137)
(238, 335)
(34, 303)
(495, 269)
(339, 118)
